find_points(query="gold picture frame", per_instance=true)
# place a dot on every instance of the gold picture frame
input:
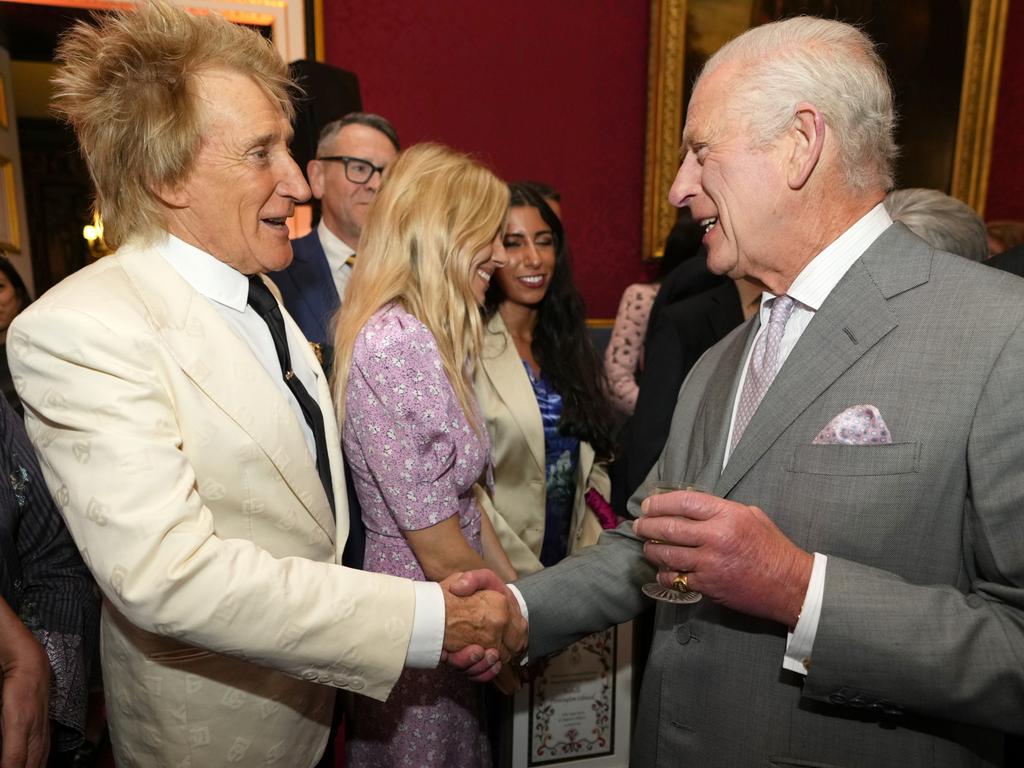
(986, 30)
(3, 102)
(10, 239)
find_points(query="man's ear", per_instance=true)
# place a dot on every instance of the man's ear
(315, 174)
(808, 134)
(172, 195)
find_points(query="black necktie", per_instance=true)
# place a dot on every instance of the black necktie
(263, 301)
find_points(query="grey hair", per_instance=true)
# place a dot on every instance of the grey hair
(829, 64)
(368, 119)
(940, 220)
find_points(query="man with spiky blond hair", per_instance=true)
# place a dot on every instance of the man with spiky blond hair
(186, 429)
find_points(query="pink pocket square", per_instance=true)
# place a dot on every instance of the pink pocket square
(857, 425)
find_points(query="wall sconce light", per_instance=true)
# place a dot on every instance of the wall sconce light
(93, 234)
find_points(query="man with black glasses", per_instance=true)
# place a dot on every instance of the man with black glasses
(351, 156)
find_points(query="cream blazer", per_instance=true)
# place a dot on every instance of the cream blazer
(187, 485)
(517, 452)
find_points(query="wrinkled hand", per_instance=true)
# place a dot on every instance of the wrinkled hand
(24, 719)
(479, 660)
(732, 553)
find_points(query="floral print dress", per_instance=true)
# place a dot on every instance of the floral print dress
(414, 460)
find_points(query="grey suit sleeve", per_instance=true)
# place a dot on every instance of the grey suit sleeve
(590, 591)
(889, 645)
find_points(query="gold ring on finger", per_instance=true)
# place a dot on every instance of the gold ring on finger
(680, 583)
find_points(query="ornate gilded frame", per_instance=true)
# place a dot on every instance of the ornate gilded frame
(980, 87)
(286, 18)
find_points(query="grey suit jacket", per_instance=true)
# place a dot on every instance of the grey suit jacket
(919, 655)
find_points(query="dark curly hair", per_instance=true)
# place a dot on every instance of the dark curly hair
(561, 343)
(24, 298)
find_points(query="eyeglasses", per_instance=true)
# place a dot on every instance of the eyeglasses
(357, 170)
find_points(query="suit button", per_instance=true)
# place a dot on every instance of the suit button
(683, 634)
(837, 698)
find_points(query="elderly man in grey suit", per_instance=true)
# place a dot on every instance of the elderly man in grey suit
(860, 546)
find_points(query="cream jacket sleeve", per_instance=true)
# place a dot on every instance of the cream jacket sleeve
(183, 478)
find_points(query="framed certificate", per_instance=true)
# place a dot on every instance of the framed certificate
(577, 708)
(9, 239)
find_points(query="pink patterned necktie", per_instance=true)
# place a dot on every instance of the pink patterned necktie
(763, 365)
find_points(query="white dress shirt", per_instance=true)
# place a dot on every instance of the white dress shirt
(228, 291)
(809, 291)
(337, 252)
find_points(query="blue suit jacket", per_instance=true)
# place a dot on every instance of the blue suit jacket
(307, 289)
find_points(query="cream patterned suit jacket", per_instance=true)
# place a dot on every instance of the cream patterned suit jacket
(185, 480)
(513, 419)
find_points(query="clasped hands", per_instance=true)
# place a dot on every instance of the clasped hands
(484, 629)
(730, 552)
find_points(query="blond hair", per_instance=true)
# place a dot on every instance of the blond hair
(128, 85)
(435, 211)
(830, 64)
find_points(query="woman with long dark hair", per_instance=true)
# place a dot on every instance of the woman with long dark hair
(542, 390)
(14, 297)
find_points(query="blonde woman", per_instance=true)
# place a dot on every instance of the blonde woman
(408, 337)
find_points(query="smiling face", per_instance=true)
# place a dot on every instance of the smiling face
(732, 188)
(345, 204)
(485, 261)
(244, 183)
(531, 248)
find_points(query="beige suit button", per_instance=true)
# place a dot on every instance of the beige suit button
(310, 675)
(356, 683)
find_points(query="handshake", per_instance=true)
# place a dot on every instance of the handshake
(485, 633)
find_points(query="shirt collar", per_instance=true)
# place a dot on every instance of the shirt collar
(823, 273)
(333, 246)
(209, 276)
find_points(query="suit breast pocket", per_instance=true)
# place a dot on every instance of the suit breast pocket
(856, 460)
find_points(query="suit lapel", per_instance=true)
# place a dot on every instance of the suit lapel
(717, 407)
(220, 364)
(853, 318)
(505, 371)
(315, 281)
(331, 435)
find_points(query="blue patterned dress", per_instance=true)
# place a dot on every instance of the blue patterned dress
(561, 457)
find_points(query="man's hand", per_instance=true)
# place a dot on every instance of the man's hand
(732, 553)
(481, 656)
(24, 701)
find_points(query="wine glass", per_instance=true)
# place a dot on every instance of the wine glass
(678, 593)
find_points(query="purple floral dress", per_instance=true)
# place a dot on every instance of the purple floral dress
(414, 460)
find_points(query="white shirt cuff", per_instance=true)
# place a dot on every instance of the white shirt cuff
(800, 642)
(427, 638)
(526, 615)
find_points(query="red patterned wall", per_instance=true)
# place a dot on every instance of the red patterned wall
(553, 90)
(1006, 177)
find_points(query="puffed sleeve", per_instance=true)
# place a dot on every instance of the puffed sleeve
(623, 356)
(405, 418)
